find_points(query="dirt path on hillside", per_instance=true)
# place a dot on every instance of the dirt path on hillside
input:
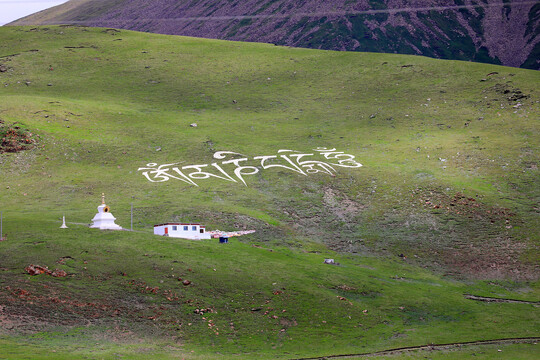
(432, 347)
(499, 300)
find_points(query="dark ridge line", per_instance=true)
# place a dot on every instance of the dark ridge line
(499, 300)
(522, 340)
(6, 56)
(18, 54)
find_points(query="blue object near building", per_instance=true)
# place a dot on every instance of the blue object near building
(223, 239)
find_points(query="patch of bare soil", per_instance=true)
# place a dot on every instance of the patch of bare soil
(13, 138)
(499, 259)
(472, 208)
(32, 306)
(340, 205)
(486, 248)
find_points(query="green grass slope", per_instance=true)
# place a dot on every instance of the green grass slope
(449, 181)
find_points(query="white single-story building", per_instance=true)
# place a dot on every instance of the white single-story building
(179, 230)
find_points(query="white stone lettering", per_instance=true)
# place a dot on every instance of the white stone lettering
(311, 166)
(304, 163)
(267, 166)
(344, 160)
(161, 175)
(239, 171)
(199, 174)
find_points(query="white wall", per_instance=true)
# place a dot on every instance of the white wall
(193, 231)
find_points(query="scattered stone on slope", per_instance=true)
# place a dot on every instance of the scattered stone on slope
(38, 270)
(14, 139)
(512, 94)
(59, 273)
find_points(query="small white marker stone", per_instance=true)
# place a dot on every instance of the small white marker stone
(63, 223)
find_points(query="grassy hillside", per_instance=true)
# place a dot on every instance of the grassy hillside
(449, 181)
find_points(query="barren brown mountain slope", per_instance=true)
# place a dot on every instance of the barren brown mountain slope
(496, 31)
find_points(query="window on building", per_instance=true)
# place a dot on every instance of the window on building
(202, 231)
(175, 227)
(194, 228)
(185, 228)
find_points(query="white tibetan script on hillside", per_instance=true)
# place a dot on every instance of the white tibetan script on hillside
(234, 166)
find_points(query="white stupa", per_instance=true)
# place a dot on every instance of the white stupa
(104, 220)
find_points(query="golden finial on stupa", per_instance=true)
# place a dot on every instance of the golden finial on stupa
(103, 198)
